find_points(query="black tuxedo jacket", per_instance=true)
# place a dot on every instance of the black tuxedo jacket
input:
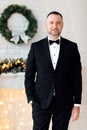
(41, 79)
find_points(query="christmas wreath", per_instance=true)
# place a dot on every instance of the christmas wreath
(27, 34)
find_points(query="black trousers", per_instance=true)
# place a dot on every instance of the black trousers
(41, 117)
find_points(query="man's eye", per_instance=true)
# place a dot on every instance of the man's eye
(51, 22)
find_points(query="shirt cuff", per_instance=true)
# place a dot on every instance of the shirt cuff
(30, 102)
(77, 105)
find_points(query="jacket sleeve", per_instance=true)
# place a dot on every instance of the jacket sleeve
(77, 77)
(30, 75)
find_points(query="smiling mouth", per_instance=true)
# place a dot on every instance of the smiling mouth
(55, 30)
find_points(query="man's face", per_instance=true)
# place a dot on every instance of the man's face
(54, 24)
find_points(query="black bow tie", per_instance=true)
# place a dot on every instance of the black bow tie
(51, 42)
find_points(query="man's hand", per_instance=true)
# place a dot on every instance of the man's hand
(75, 113)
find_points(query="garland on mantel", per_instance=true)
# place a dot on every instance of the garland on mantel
(12, 65)
(27, 13)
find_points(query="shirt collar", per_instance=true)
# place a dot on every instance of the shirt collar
(56, 39)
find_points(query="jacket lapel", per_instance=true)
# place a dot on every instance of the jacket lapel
(61, 52)
(47, 53)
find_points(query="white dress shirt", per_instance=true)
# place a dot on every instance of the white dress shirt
(54, 53)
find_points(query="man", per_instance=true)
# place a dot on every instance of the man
(53, 79)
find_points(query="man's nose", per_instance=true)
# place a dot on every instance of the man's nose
(54, 25)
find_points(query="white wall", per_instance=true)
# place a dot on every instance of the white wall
(78, 9)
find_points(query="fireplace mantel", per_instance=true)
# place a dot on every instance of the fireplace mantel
(11, 80)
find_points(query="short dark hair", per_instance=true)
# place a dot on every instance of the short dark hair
(56, 13)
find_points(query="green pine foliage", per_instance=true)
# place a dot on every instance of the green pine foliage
(27, 13)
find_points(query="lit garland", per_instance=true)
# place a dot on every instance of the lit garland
(12, 65)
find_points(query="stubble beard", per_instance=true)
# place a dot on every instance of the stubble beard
(54, 34)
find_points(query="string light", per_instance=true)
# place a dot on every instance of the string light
(15, 113)
(12, 65)
(6, 112)
(7, 126)
(1, 103)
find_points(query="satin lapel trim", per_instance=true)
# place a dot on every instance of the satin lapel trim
(60, 54)
(47, 52)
